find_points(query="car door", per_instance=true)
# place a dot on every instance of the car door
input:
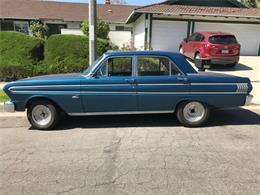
(160, 84)
(196, 44)
(112, 88)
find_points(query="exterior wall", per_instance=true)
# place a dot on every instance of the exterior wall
(120, 38)
(71, 31)
(139, 32)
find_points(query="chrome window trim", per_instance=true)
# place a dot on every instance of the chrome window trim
(158, 56)
(106, 60)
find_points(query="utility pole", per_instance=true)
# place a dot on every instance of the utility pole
(92, 31)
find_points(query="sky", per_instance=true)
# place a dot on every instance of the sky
(129, 2)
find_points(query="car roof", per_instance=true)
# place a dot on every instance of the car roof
(159, 53)
(211, 33)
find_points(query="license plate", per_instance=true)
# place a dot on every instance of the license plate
(225, 51)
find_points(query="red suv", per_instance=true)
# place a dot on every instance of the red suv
(214, 47)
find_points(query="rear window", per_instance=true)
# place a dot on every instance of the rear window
(223, 39)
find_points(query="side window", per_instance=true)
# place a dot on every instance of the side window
(199, 37)
(117, 66)
(192, 37)
(155, 66)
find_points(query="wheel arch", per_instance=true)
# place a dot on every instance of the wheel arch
(177, 105)
(39, 98)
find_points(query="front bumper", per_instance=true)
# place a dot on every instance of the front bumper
(9, 106)
(249, 99)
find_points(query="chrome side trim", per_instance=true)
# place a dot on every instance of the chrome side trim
(115, 85)
(9, 107)
(121, 113)
(131, 92)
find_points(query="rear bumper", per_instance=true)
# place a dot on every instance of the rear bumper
(223, 60)
(9, 106)
(249, 99)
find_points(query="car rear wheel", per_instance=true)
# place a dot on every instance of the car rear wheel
(193, 114)
(42, 115)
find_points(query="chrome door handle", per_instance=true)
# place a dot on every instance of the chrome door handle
(130, 81)
(182, 79)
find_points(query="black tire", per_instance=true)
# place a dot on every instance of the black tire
(53, 115)
(185, 121)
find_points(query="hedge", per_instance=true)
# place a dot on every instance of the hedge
(68, 53)
(18, 54)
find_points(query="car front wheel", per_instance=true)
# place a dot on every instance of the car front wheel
(42, 115)
(193, 114)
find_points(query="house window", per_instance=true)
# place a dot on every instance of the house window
(6, 25)
(21, 26)
(123, 28)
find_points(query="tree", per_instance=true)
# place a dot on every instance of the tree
(120, 2)
(39, 30)
(102, 28)
(250, 3)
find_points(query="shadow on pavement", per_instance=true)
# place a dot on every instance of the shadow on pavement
(238, 67)
(236, 116)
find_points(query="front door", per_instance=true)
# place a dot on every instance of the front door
(160, 84)
(112, 89)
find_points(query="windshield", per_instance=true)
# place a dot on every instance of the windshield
(88, 71)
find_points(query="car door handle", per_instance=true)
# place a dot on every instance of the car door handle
(130, 81)
(182, 79)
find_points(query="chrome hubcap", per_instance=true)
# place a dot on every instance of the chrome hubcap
(41, 115)
(194, 111)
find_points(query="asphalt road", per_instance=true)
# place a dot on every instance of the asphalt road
(149, 154)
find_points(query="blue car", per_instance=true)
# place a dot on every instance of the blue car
(134, 82)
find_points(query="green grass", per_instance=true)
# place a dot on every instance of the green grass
(3, 96)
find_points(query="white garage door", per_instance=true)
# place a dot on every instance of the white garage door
(248, 35)
(167, 35)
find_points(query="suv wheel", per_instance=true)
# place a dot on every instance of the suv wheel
(181, 50)
(193, 114)
(42, 115)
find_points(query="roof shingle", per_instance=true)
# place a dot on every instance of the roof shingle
(33, 9)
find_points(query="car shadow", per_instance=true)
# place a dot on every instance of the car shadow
(237, 116)
(238, 67)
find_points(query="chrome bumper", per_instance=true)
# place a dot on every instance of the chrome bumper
(249, 99)
(9, 106)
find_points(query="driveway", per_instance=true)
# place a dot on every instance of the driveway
(149, 154)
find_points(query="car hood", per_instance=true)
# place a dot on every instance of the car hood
(58, 79)
(54, 77)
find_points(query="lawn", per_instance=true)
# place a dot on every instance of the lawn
(3, 96)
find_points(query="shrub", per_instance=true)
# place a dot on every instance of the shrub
(39, 30)
(18, 54)
(68, 53)
(102, 28)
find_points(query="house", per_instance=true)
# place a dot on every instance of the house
(163, 26)
(64, 18)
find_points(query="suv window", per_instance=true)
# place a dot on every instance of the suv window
(192, 37)
(222, 39)
(117, 66)
(155, 66)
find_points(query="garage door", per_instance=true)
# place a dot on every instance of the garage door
(248, 35)
(167, 35)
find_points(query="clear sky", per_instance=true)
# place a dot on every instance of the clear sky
(130, 2)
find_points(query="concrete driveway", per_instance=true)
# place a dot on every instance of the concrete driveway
(149, 154)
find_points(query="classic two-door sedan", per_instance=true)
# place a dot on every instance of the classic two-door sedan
(131, 82)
